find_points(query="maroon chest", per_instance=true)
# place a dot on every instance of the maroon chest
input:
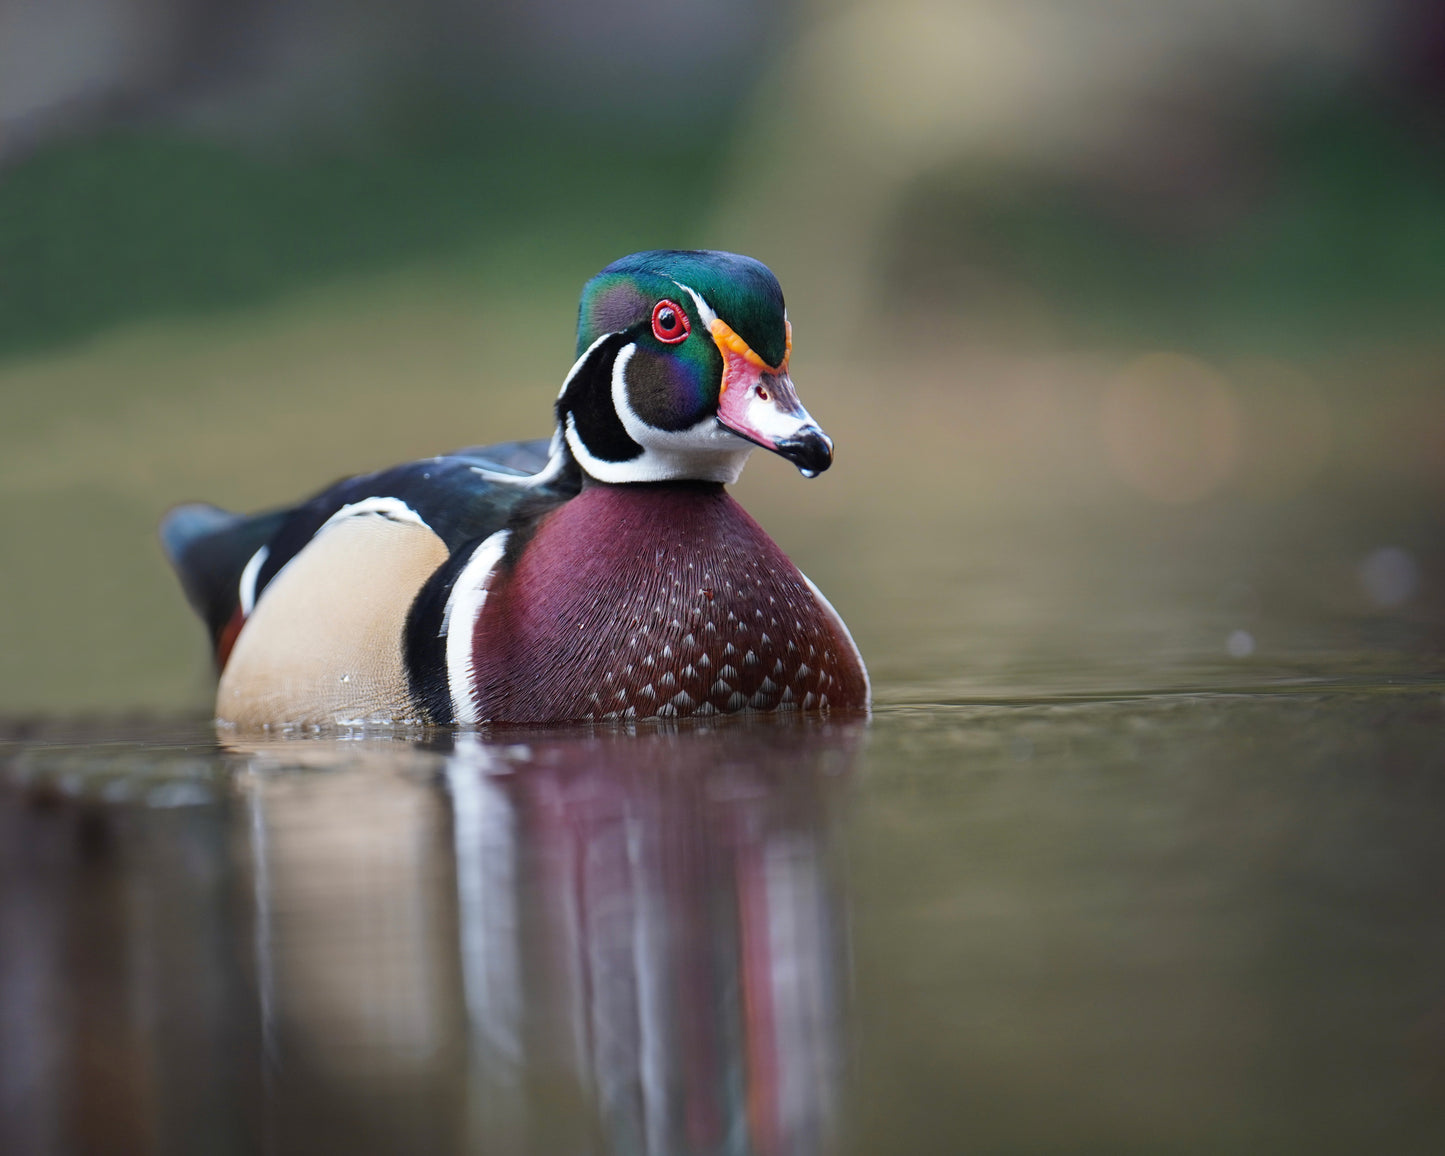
(667, 600)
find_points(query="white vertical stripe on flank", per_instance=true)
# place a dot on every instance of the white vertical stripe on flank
(469, 593)
(248, 579)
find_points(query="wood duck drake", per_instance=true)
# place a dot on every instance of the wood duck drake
(604, 575)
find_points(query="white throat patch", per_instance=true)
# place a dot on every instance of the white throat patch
(705, 452)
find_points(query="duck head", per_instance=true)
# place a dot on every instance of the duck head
(682, 369)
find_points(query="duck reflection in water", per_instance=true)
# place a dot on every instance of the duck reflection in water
(629, 942)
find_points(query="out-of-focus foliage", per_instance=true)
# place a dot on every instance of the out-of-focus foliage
(134, 225)
(1332, 226)
(1141, 295)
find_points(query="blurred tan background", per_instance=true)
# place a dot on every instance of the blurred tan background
(1128, 317)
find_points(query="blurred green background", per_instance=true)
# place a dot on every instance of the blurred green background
(1128, 318)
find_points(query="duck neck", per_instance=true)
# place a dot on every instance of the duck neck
(681, 485)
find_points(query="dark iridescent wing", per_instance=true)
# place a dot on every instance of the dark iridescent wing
(209, 548)
(225, 560)
(522, 458)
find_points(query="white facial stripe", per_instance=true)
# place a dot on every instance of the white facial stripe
(469, 594)
(577, 365)
(633, 424)
(654, 465)
(592, 465)
(249, 575)
(704, 310)
(704, 437)
(703, 452)
(556, 460)
(706, 451)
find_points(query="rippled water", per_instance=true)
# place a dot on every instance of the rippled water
(1177, 922)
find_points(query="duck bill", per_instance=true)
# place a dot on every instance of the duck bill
(762, 406)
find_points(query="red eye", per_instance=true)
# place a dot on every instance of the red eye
(669, 322)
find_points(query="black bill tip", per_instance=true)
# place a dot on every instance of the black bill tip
(810, 449)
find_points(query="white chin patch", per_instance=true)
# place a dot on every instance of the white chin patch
(705, 452)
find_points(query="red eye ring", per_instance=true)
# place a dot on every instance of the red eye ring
(669, 323)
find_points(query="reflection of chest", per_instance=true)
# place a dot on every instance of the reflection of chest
(634, 601)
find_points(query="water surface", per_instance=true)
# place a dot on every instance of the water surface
(1180, 922)
(1139, 852)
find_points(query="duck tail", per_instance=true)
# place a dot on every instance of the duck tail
(209, 549)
